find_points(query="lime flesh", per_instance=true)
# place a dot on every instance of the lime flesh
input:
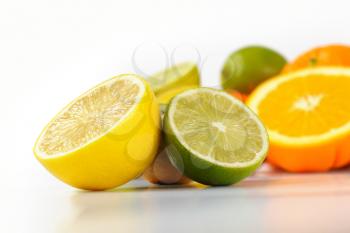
(214, 138)
(169, 82)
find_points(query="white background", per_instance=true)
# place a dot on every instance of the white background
(51, 51)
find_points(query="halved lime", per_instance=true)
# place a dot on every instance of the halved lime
(213, 137)
(169, 82)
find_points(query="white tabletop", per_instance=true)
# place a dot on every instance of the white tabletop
(270, 201)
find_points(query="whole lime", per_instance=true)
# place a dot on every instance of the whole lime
(247, 67)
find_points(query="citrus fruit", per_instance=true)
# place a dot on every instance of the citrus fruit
(307, 115)
(169, 82)
(213, 137)
(330, 55)
(245, 68)
(161, 171)
(105, 137)
(165, 97)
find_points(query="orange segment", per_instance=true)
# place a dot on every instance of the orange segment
(307, 114)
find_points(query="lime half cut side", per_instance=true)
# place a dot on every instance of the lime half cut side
(213, 137)
(176, 77)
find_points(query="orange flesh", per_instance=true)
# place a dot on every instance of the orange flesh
(307, 106)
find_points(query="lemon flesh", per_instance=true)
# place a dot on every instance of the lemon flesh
(105, 137)
(213, 137)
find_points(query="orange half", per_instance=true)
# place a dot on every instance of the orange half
(307, 115)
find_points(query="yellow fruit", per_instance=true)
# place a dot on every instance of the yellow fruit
(307, 115)
(104, 138)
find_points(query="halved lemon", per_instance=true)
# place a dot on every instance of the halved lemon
(307, 115)
(105, 137)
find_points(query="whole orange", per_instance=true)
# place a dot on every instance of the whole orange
(329, 55)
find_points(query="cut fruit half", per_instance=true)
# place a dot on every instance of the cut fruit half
(307, 114)
(169, 82)
(103, 138)
(213, 137)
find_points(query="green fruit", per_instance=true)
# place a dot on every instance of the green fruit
(213, 137)
(169, 82)
(247, 67)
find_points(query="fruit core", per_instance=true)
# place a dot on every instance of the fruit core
(308, 102)
(219, 125)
